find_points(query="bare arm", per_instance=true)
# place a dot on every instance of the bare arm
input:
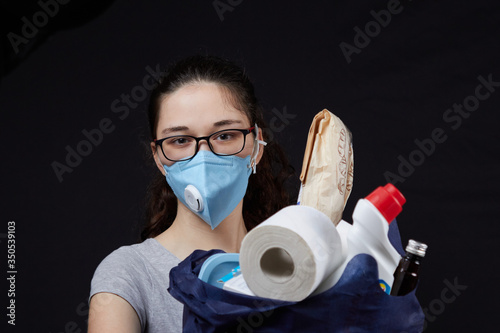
(110, 313)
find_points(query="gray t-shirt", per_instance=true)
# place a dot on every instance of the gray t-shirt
(140, 274)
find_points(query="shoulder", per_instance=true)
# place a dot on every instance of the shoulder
(139, 274)
(135, 272)
(120, 268)
(134, 265)
(125, 258)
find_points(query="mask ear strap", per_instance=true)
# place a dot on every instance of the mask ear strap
(159, 158)
(256, 147)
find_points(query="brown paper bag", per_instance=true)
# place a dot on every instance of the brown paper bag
(327, 169)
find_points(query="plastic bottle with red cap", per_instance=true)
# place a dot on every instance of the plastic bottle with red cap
(371, 219)
(369, 234)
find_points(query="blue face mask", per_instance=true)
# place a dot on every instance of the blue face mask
(211, 186)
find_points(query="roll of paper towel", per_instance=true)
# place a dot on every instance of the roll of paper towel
(287, 256)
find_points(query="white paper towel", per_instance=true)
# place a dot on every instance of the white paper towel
(343, 229)
(287, 256)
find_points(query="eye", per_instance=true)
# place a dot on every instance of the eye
(179, 141)
(226, 136)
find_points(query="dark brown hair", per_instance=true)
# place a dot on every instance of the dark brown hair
(266, 192)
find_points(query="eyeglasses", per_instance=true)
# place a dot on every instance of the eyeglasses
(184, 147)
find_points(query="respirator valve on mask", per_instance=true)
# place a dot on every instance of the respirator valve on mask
(193, 198)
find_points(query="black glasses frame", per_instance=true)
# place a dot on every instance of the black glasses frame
(158, 142)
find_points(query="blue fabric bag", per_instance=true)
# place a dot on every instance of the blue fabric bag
(355, 304)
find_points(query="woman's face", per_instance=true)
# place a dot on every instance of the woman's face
(198, 110)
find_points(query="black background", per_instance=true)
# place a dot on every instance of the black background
(394, 91)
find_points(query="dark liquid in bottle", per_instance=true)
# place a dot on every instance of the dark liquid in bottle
(406, 275)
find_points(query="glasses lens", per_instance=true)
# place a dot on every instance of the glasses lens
(178, 148)
(228, 142)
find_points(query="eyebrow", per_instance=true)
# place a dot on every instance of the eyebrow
(174, 129)
(227, 122)
(185, 128)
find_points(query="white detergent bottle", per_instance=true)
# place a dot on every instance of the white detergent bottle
(371, 219)
(369, 234)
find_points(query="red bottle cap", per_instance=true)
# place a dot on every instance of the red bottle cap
(388, 200)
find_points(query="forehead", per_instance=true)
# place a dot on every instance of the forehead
(198, 103)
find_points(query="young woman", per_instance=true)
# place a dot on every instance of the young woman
(216, 181)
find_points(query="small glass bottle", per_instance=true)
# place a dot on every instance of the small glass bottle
(406, 274)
